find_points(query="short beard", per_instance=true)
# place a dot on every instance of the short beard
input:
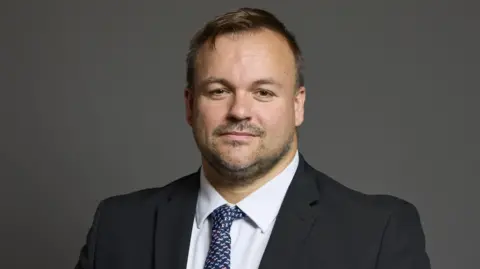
(241, 176)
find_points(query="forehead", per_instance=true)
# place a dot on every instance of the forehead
(242, 58)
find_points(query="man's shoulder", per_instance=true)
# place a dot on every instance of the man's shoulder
(350, 200)
(145, 198)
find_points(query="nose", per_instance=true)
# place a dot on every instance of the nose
(240, 107)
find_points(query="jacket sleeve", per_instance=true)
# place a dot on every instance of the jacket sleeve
(403, 242)
(87, 253)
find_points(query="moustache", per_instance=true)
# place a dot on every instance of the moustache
(243, 127)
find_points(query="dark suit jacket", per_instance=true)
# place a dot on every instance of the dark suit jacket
(321, 224)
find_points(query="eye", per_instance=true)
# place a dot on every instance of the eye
(264, 94)
(218, 93)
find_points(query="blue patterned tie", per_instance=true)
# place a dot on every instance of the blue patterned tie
(219, 253)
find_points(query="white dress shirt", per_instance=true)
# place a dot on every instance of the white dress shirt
(249, 235)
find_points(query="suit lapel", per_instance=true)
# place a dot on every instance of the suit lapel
(294, 222)
(174, 222)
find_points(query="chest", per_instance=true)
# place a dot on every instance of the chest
(250, 250)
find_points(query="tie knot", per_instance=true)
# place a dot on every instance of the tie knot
(224, 216)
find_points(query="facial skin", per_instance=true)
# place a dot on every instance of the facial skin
(245, 107)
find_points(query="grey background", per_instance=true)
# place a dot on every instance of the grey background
(91, 106)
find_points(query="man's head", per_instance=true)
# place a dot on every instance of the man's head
(245, 95)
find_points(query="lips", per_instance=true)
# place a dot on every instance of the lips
(238, 134)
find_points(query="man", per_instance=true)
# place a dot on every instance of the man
(255, 202)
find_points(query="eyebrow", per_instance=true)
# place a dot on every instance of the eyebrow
(211, 80)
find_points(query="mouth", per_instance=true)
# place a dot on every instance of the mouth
(238, 134)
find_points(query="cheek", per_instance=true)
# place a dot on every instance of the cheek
(208, 117)
(276, 120)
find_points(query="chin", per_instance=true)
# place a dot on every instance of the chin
(237, 160)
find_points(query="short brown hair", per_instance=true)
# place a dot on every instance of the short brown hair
(241, 20)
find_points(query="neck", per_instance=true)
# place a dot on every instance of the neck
(235, 193)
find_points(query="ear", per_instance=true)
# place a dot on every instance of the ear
(188, 99)
(299, 102)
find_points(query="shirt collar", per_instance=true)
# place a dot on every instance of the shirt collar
(261, 206)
